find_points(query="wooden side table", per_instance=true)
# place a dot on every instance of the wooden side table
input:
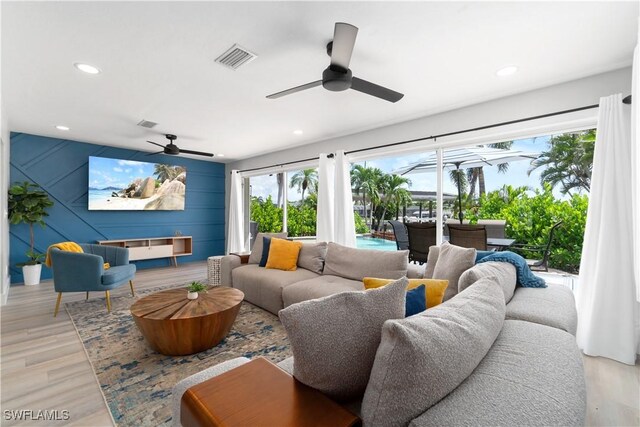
(259, 393)
(244, 256)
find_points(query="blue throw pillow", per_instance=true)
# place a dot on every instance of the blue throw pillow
(524, 276)
(266, 244)
(416, 301)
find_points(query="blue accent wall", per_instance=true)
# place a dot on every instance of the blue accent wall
(60, 167)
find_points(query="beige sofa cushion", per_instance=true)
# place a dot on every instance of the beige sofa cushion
(263, 287)
(256, 251)
(312, 256)
(503, 273)
(334, 339)
(531, 376)
(552, 306)
(452, 262)
(318, 287)
(432, 259)
(356, 264)
(424, 357)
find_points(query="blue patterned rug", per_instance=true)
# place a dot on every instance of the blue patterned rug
(137, 381)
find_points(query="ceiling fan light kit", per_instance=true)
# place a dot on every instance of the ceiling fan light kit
(338, 77)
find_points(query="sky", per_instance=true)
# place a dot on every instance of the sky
(105, 172)
(265, 185)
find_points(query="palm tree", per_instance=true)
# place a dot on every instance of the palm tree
(568, 161)
(394, 192)
(164, 172)
(476, 175)
(368, 181)
(304, 179)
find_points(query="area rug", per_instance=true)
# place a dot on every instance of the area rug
(135, 380)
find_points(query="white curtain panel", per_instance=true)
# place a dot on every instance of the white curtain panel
(635, 156)
(326, 195)
(235, 234)
(345, 233)
(606, 293)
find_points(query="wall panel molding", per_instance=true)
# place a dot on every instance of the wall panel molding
(60, 167)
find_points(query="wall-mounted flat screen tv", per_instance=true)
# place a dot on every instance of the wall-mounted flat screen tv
(130, 185)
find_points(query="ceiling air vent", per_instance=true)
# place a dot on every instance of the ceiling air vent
(146, 123)
(235, 57)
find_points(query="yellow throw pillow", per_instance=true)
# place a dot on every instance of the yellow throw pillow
(435, 288)
(283, 254)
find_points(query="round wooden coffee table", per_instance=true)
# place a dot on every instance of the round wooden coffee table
(176, 326)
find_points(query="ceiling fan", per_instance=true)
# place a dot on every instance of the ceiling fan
(338, 77)
(173, 150)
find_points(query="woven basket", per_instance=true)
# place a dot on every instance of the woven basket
(213, 270)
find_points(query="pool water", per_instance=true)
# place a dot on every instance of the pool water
(363, 242)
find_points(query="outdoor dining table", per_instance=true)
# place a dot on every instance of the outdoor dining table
(500, 243)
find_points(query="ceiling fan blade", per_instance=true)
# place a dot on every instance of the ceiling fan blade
(155, 143)
(197, 153)
(375, 90)
(157, 152)
(344, 38)
(294, 89)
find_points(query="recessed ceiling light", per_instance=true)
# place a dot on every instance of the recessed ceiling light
(89, 69)
(297, 132)
(60, 127)
(220, 155)
(506, 71)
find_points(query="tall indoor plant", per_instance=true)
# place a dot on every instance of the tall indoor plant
(28, 204)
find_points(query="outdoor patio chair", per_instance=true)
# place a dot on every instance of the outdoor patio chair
(540, 264)
(468, 236)
(400, 233)
(421, 237)
(253, 233)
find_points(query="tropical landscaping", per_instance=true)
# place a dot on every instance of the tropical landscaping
(564, 165)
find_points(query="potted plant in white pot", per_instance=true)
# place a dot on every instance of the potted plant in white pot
(194, 288)
(28, 204)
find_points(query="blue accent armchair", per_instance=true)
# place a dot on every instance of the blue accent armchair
(84, 272)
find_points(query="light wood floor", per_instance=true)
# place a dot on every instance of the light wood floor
(43, 365)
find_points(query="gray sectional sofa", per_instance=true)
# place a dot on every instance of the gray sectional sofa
(532, 373)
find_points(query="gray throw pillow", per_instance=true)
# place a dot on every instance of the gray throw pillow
(452, 262)
(312, 256)
(432, 259)
(503, 273)
(356, 264)
(334, 339)
(423, 358)
(256, 251)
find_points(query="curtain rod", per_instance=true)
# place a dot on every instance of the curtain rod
(626, 100)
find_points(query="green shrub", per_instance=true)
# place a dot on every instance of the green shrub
(361, 224)
(301, 219)
(530, 217)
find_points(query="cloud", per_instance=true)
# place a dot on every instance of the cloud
(129, 163)
(117, 169)
(128, 170)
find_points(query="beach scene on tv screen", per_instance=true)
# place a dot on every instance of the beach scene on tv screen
(116, 184)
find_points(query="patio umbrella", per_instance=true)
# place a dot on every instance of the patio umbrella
(465, 158)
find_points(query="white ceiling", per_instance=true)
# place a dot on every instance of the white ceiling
(158, 64)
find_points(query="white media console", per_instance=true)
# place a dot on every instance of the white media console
(154, 247)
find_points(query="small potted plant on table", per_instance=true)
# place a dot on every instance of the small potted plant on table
(194, 288)
(28, 204)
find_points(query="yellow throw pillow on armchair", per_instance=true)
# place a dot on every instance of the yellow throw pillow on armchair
(283, 254)
(435, 288)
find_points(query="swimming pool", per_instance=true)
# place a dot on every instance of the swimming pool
(363, 242)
